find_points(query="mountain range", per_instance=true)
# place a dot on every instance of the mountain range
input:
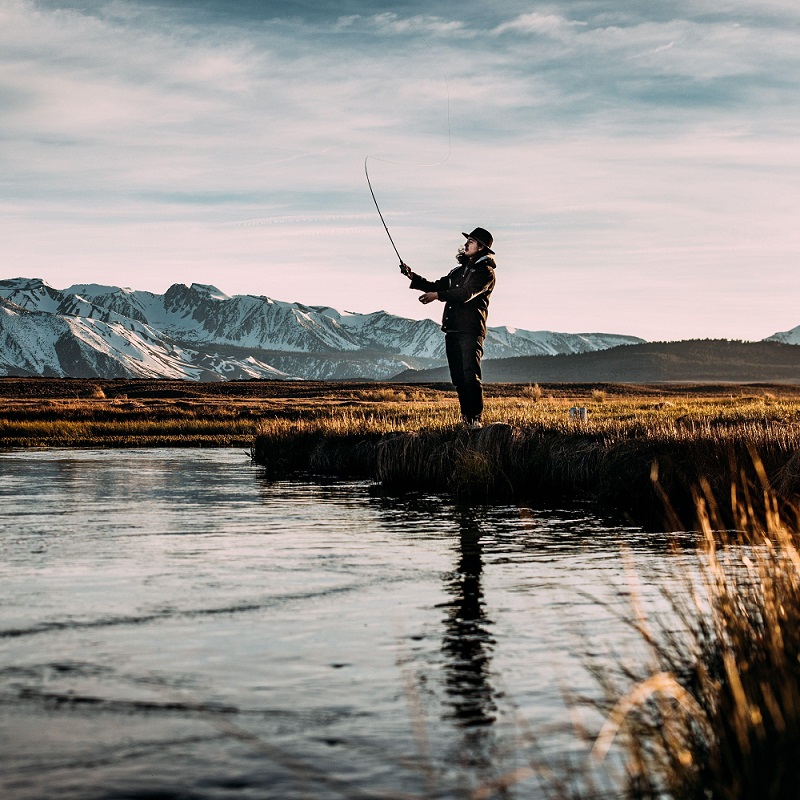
(199, 333)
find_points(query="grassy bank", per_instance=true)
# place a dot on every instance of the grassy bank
(532, 449)
(139, 413)
(408, 435)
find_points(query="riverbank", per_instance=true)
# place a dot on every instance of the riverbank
(630, 453)
(407, 435)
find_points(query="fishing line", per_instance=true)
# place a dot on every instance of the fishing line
(404, 164)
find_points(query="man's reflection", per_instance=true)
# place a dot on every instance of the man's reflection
(467, 643)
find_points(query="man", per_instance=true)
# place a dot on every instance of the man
(465, 293)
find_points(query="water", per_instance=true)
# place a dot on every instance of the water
(176, 626)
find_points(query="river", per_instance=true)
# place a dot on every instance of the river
(174, 625)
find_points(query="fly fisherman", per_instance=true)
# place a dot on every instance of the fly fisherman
(465, 294)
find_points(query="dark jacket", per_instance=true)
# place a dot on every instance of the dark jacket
(465, 292)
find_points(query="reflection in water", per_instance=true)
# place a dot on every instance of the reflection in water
(467, 643)
(172, 626)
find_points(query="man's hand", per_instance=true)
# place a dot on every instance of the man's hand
(405, 269)
(428, 297)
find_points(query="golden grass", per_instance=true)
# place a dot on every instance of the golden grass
(137, 413)
(716, 711)
(534, 449)
(103, 422)
(409, 435)
(532, 392)
(642, 416)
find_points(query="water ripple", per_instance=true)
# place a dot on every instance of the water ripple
(219, 635)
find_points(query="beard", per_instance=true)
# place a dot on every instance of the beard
(461, 256)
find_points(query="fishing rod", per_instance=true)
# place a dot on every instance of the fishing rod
(374, 200)
(399, 164)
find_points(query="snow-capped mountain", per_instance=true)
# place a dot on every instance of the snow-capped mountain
(787, 337)
(198, 332)
(509, 342)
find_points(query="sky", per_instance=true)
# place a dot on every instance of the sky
(637, 162)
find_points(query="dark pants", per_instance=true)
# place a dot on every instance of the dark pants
(464, 351)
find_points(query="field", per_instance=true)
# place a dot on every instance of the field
(408, 436)
(144, 413)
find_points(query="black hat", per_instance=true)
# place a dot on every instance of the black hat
(481, 236)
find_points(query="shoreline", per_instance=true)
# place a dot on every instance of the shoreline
(407, 436)
(505, 463)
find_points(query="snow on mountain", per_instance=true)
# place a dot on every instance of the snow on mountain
(787, 337)
(421, 338)
(31, 293)
(509, 342)
(57, 345)
(200, 333)
(41, 343)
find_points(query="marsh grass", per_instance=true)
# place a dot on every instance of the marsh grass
(709, 707)
(536, 451)
(122, 422)
(532, 392)
(408, 435)
(56, 412)
(715, 713)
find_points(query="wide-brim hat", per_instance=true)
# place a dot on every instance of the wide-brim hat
(481, 236)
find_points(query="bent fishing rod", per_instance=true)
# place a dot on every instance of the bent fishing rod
(378, 208)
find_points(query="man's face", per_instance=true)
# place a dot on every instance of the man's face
(471, 248)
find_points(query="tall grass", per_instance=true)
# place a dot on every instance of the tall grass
(532, 392)
(716, 713)
(408, 434)
(98, 421)
(536, 451)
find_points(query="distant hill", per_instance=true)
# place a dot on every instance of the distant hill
(696, 360)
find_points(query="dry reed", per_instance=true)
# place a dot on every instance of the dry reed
(538, 453)
(716, 712)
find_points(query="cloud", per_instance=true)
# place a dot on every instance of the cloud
(390, 23)
(599, 145)
(539, 23)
